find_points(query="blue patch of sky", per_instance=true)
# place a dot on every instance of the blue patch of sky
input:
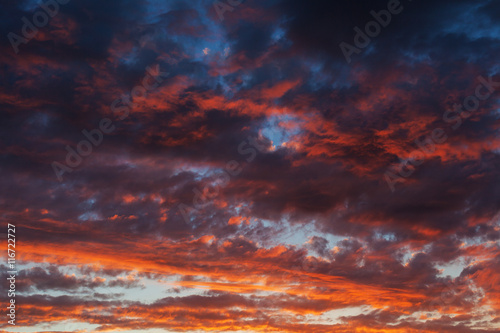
(90, 216)
(194, 45)
(464, 22)
(453, 269)
(300, 233)
(390, 237)
(31, 6)
(62, 326)
(275, 132)
(199, 172)
(337, 316)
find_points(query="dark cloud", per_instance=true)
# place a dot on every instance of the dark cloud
(307, 224)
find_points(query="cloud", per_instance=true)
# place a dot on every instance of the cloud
(307, 237)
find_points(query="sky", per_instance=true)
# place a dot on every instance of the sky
(251, 166)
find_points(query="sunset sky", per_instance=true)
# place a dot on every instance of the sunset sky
(324, 166)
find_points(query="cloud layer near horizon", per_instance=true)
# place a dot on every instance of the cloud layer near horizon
(247, 191)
